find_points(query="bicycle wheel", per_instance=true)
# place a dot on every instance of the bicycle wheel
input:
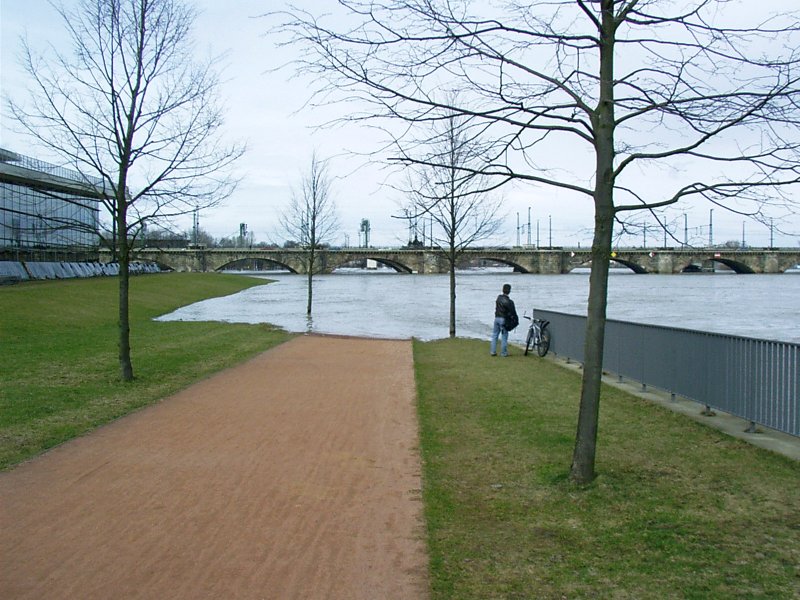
(529, 341)
(544, 342)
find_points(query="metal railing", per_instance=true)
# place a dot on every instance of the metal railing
(757, 380)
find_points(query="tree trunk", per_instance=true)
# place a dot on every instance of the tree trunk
(583, 457)
(114, 234)
(452, 260)
(125, 364)
(310, 281)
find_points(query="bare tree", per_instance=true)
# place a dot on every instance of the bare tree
(447, 188)
(310, 218)
(593, 97)
(133, 106)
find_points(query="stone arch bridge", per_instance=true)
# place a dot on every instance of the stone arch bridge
(523, 260)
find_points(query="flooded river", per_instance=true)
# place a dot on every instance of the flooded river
(391, 305)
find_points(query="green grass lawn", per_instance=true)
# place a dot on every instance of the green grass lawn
(58, 350)
(678, 510)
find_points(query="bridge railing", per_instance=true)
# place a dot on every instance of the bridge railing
(757, 380)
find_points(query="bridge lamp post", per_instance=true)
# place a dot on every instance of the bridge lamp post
(529, 226)
(685, 231)
(711, 228)
(771, 234)
(550, 218)
(195, 224)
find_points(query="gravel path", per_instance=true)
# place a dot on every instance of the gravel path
(294, 475)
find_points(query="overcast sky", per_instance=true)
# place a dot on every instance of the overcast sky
(265, 109)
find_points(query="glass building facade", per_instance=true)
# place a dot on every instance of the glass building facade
(45, 207)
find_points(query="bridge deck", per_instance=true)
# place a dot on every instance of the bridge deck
(523, 260)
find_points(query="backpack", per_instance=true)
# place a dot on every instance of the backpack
(511, 323)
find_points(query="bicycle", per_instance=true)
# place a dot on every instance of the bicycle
(538, 335)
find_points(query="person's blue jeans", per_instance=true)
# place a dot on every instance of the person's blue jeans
(499, 330)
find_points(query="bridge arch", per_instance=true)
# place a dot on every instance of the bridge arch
(396, 265)
(577, 262)
(243, 263)
(584, 261)
(518, 268)
(737, 267)
(400, 260)
(706, 264)
(635, 267)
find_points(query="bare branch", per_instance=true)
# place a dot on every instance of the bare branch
(590, 96)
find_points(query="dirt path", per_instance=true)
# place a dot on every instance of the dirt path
(295, 475)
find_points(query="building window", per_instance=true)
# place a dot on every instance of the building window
(46, 207)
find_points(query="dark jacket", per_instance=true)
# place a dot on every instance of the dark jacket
(504, 306)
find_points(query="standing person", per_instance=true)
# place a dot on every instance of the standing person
(503, 308)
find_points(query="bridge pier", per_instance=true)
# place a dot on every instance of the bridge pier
(540, 262)
(666, 264)
(771, 264)
(433, 263)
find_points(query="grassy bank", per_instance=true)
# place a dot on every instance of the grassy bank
(58, 350)
(678, 510)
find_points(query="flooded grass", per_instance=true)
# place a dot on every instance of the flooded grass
(60, 374)
(678, 510)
